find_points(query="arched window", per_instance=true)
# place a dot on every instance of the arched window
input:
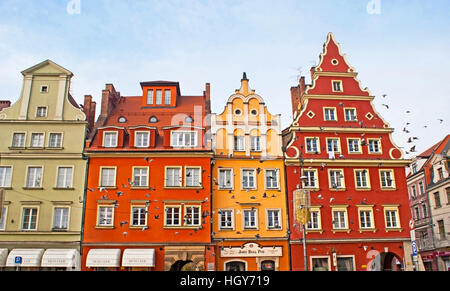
(153, 119)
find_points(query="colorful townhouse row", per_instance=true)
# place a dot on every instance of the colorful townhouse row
(159, 182)
(428, 179)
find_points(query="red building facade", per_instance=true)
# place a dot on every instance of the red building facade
(340, 149)
(148, 193)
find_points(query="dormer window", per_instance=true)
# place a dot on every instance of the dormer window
(188, 119)
(183, 139)
(153, 119)
(142, 139)
(167, 97)
(149, 97)
(122, 119)
(158, 97)
(110, 139)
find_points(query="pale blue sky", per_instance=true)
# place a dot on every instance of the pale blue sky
(401, 52)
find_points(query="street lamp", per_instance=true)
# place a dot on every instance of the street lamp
(302, 206)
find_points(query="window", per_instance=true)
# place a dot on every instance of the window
(268, 265)
(3, 218)
(362, 179)
(337, 86)
(440, 174)
(184, 139)
(366, 219)
(250, 218)
(272, 179)
(374, 146)
(173, 177)
(61, 218)
(142, 139)
(64, 179)
(107, 177)
(5, 176)
(192, 216)
(158, 97)
(320, 264)
(314, 220)
(345, 264)
(350, 114)
(391, 216)
(339, 219)
(153, 119)
(413, 192)
(414, 168)
(226, 219)
(333, 145)
(167, 97)
(354, 145)
(172, 216)
(424, 209)
(34, 177)
(188, 119)
(387, 179)
(41, 111)
(437, 200)
(239, 143)
(311, 179)
(312, 145)
(150, 97)
(248, 179)
(330, 114)
(193, 177)
(336, 179)
(225, 178)
(18, 140)
(140, 177)
(421, 189)
(417, 213)
(105, 216)
(273, 219)
(255, 143)
(29, 218)
(441, 228)
(122, 119)
(55, 140)
(110, 139)
(139, 216)
(447, 190)
(37, 140)
(44, 89)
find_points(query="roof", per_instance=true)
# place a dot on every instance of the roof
(433, 148)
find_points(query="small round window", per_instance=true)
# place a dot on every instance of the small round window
(254, 112)
(238, 112)
(122, 119)
(153, 119)
(335, 62)
(189, 119)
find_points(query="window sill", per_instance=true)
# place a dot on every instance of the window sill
(314, 231)
(394, 229)
(139, 187)
(388, 189)
(137, 226)
(6, 188)
(104, 227)
(367, 230)
(363, 189)
(63, 188)
(347, 230)
(32, 188)
(59, 230)
(183, 187)
(182, 226)
(337, 189)
(107, 187)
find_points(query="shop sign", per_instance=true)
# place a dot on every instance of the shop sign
(251, 250)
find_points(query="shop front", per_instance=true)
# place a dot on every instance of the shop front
(116, 260)
(39, 259)
(184, 258)
(251, 257)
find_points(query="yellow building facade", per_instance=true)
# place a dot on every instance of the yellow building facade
(249, 201)
(43, 173)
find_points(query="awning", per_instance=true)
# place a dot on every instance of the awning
(138, 258)
(3, 256)
(103, 258)
(61, 258)
(25, 258)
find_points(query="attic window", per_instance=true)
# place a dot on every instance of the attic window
(153, 119)
(188, 119)
(44, 89)
(334, 62)
(122, 119)
(237, 112)
(254, 112)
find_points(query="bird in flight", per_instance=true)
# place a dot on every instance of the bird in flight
(385, 105)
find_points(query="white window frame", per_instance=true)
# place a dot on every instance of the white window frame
(351, 115)
(180, 217)
(30, 217)
(65, 184)
(338, 144)
(371, 218)
(198, 218)
(250, 210)
(220, 174)
(339, 180)
(310, 179)
(59, 145)
(41, 140)
(239, 143)
(3, 219)
(175, 183)
(362, 173)
(158, 97)
(101, 221)
(167, 97)
(145, 176)
(248, 186)
(137, 140)
(113, 142)
(28, 173)
(342, 220)
(384, 181)
(310, 225)
(341, 86)
(23, 141)
(39, 111)
(311, 258)
(275, 180)
(222, 217)
(310, 145)
(184, 143)
(151, 99)
(330, 114)
(41, 90)
(378, 146)
(255, 143)
(142, 209)
(388, 220)
(187, 179)
(350, 145)
(270, 225)
(61, 218)
(100, 182)
(5, 180)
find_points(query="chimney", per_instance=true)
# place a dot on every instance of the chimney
(296, 95)
(89, 109)
(207, 94)
(4, 104)
(312, 71)
(110, 98)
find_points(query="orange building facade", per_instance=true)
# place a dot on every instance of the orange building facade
(148, 195)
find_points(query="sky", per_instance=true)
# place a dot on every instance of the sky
(399, 48)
